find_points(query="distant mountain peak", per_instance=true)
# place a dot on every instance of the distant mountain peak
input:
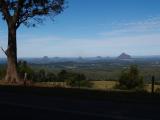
(99, 57)
(124, 56)
(45, 58)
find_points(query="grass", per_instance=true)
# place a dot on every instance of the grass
(104, 85)
(109, 85)
(102, 90)
(97, 85)
(148, 88)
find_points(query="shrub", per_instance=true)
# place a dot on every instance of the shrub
(73, 79)
(77, 80)
(130, 79)
(157, 90)
(23, 68)
(62, 75)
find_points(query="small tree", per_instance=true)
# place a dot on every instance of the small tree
(77, 80)
(23, 68)
(62, 75)
(50, 77)
(29, 13)
(42, 75)
(130, 78)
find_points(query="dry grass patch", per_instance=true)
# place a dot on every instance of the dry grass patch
(103, 85)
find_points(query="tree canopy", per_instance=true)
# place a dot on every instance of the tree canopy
(130, 78)
(30, 12)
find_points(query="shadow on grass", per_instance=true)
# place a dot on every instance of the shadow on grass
(83, 94)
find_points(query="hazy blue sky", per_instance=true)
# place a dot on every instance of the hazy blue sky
(92, 28)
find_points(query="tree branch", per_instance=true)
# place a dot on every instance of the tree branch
(5, 10)
(5, 52)
(18, 10)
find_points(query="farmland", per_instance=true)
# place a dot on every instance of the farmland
(103, 73)
(101, 68)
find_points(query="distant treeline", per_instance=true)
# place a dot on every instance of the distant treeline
(42, 75)
(97, 70)
(104, 69)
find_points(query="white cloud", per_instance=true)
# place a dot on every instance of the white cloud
(50, 46)
(151, 24)
(112, 43)
(36, 46)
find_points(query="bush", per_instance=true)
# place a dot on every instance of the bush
(2, 73)
(130, 79)
(23, 68)
(157, 90)
(50, 77)
(43, 76)
(73, 79)
(62, 75)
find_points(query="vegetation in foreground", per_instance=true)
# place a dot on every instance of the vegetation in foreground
(15, 13)
(130, 78)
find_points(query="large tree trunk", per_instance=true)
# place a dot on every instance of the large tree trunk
(11, 74)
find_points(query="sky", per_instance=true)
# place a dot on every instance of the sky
(90, 28)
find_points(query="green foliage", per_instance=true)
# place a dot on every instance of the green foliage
(62, 75)
(50, 77)
(73, 79)
(30, 12)
(157, 90)
(106, 69)
(130, 79)
(39, 76)
(23, 68)
(44, 76)
(2, 73)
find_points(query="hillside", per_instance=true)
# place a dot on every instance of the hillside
(124, 56)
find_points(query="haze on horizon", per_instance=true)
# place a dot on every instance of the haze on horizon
(97, 28)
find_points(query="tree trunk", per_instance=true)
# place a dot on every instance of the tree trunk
(11, 52)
